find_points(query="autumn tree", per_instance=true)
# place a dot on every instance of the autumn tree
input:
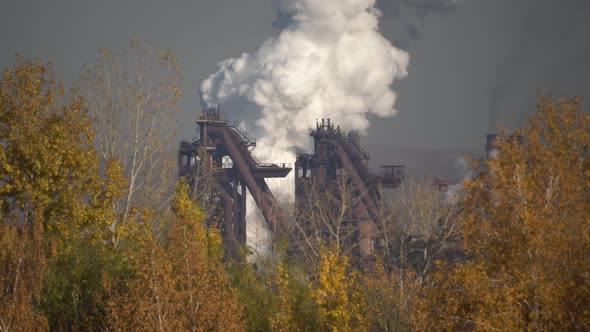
(390, 297)
(326, 217)
(423, 230)
(46, 154)
(420, 228)
(61, 213)
(22, 262)
(206, 295)
(338, 293)
(47, 166)
(179, 282)
(55, 203)
(284, 318)
(525, 230)
(132, 97)
(74, 296)
(255, 291)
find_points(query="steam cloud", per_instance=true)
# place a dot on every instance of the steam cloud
(454, 191)
(329, 61)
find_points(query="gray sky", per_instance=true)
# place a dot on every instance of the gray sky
(472, 64)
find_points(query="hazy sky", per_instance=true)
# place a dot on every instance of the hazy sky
(472, 64)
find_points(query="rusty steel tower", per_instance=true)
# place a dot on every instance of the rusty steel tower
(338, 154)
(223, 151)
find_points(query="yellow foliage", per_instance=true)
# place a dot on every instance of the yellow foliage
(390, 298)
(22, 261)
(46, 153)
(338, 294)
(525, 228)
(180, 283)
(282, 321)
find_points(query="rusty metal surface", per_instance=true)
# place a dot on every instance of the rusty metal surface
(338, 154)
(227, 152)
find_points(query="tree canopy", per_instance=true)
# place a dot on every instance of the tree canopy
(525, 227)
(93, 237)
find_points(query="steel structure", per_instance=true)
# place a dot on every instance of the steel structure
(337, 153)
(223, 154)
(224, 151)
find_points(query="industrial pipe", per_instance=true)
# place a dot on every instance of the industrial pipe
(358, 182)
(265, 204)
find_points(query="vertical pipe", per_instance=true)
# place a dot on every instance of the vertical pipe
(228, 205)
(236, 209)
(260, 198)
(242, 214)
(320, 167)
(227, 211)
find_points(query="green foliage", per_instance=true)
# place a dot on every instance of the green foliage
(72, 288)
(254, 290)
(274, 292)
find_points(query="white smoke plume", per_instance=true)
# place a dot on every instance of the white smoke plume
(329, 61)
(455, 191)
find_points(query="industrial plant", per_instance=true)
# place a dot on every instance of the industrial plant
(220, 164)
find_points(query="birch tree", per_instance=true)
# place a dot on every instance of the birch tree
(425, 229)
(179, 283)
(132, 97)
(327, 218)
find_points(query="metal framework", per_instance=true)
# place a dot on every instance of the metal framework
(338, 153)
(225, 151)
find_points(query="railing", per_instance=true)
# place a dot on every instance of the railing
(185, 145)
(212, 113)
(268, 165)
(364, 153)
(189, 147)
(328, 130)
(393, 172)
(250, 141)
